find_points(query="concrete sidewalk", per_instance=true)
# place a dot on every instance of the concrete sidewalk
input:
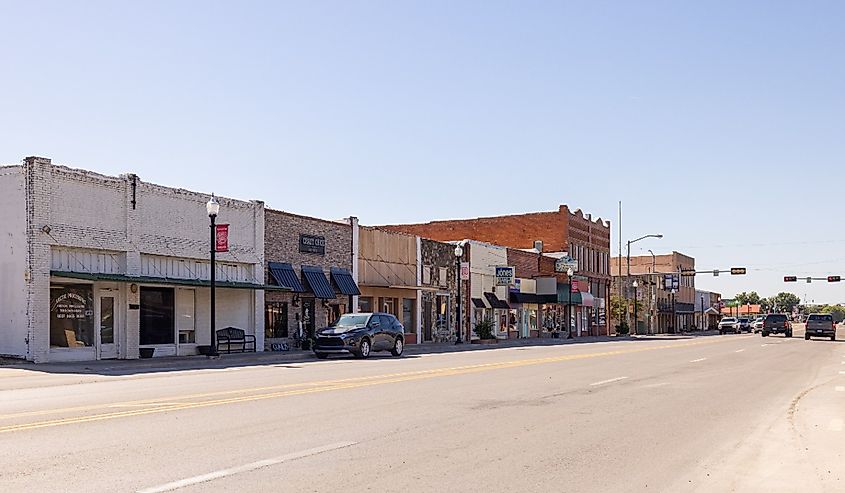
(181, 363)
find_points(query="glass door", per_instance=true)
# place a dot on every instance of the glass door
(106, 323)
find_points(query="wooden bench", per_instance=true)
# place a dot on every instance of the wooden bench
(233, 336)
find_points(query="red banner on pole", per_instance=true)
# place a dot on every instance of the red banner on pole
(221, 235)
(574, 286)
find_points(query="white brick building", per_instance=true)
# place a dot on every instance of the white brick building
(96, 266)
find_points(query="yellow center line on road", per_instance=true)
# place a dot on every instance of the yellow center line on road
(163, 405)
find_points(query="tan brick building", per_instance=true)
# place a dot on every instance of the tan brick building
(661, 310)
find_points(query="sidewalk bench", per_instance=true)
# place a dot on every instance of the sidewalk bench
(233, 338)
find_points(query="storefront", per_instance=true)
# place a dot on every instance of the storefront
(388, 266)
(311, 260)
(115, 266)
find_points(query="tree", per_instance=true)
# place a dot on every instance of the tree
(838, 312)
(751, 298)
(785, 302)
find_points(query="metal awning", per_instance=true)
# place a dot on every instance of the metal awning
(495, 302)
(200, 283)
(479, 303)
(344, 282)
(284, 275)
(532, 298)
(316, 281)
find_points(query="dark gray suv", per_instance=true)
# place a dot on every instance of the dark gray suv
(360, 334)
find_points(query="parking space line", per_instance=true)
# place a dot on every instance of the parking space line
(603, 382)
(739, 350)
(698, 360)
(840, 388)
(835, 425)
(222, 473)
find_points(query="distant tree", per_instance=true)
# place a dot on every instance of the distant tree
(751, 298)
(785, 302)
(838, 312)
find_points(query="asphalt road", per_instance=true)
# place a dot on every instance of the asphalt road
(719, 413)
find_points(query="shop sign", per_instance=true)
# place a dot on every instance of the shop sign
(464, 271)
(71, 306)
(221, 238)
(505, 276)
(563, 264)
(312, 244)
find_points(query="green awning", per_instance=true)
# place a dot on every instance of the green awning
(563, 295)
(163, 280)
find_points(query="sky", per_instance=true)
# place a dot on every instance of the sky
(718, 124)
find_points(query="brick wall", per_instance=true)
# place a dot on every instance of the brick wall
(79, 210)
(559, 231)
(281, 244)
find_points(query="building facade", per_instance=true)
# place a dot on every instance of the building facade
(315, 261)
(561, 231)
(661, 308)
(389, 269)
(98, 267)
(438, 286)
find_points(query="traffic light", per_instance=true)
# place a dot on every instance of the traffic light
(790, 279)
(833, 279)
(688, 272)
(737, 271)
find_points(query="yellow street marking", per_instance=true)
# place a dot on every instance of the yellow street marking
(164, 405)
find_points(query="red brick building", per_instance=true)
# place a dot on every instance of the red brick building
(576, 233)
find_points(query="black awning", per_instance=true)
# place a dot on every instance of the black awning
(344, 282)
(533, 299)
(478, 303)
(495, 302)
(316, 281)
(284, 275)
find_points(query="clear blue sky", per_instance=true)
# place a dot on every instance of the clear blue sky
(718, 124)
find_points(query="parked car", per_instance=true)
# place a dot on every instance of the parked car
(360, 334)
(776, 323)
(820, 325)
(757, 324)
(729, 324)
(745, 324)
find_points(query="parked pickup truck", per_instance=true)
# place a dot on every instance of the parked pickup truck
(820, 325)
(776, 323)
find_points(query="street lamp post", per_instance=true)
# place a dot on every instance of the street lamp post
(213, 208)
(569, 272)
(652, 294)
(636, 315)
(628, 273)
(459, 253)
(674, 315)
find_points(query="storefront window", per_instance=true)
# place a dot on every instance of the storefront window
(365, 304)
(442, 313)
(71, 315)
(275, 319)
(157, 316)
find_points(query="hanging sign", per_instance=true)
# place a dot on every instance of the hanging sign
(464, 271)
(221, 238)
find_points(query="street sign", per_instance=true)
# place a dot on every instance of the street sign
(790, 279)
(833, 278)
(809, 280)
(464, 271)
(737, 271)
(563, 264)
(715, 272)
(505, 276)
